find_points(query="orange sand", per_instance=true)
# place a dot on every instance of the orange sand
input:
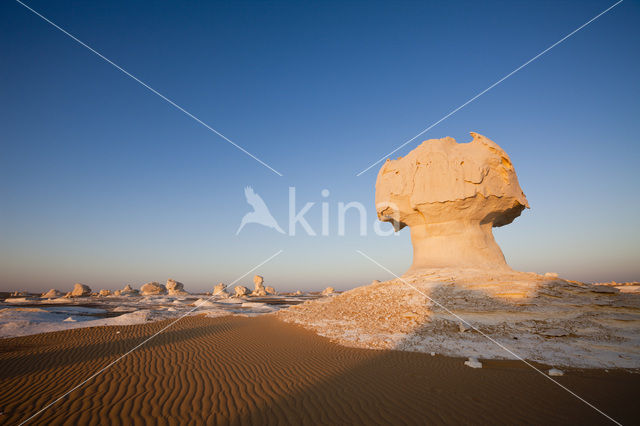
(237, 370)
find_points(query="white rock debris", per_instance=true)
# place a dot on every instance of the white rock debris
(555, 372)
(548, 320)
(473, 363)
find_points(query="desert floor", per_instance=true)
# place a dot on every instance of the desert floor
(238, 370)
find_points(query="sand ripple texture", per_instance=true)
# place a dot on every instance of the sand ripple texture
(262, 371)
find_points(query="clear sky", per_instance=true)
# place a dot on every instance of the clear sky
(104, 183)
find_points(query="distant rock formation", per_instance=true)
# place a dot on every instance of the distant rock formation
(220, 290)
(52, 294)
(270, 290)
(128, 291)
(328, 290)
(80, 290)
(175, 288)
(259, 289)
(241, 291)
(451, 195)
(153, 288)
(104, 292)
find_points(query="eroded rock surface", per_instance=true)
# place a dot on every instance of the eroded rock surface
(153, 288)
(259, 289)
(241, 291)
(544, 319)
(80, 290)
(128, 291)
(220, 290)
(451, 195)
(459, 297)
(175, 288)
(52, 294)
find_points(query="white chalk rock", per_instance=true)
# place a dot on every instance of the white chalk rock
(473, 363)
(328, 290)
(152, 288)
(270, 290)
(51, 294)
(551, 275)
(80, 290)
(241, 291)
(259, 289)
(128, 290)
(104, 292)
(175, 288)
(220, 290)
(451, 195)
(556, 372)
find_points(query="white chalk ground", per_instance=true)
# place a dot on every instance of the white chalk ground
(23, 316)
(543, 319)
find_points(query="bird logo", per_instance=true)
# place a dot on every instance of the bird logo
(260, 214)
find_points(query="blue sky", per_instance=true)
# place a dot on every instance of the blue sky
(103, 182)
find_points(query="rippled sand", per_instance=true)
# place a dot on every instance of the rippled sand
(237, 370)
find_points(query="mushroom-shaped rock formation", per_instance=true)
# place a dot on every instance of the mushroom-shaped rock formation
(80, 290)
(451, 195)
(152, 288)
(241, 291)
(220, 290)
(175, 288)
(51, 294)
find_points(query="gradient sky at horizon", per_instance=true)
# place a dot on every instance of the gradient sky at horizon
(106, 184)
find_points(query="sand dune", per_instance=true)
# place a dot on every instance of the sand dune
(236, 370)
